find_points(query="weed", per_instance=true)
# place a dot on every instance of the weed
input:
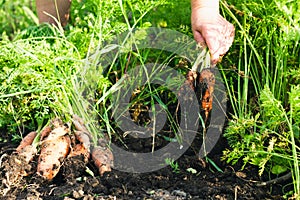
(173, 164)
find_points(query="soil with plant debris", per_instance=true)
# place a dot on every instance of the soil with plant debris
(203, 182)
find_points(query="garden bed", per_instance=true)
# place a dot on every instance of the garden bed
(43, 76)
(191, 179)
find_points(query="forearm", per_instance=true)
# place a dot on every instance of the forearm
(207, 10)
(210, 28)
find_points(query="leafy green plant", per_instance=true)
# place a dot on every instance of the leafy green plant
(259, 79)
(16, 16)
(28, 83)
(270, 139)
(42, 69)
(265, 51)
(148, 94)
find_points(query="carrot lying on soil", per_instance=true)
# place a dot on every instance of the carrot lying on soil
(83, 148)
(102, 157)
(19, 166)
(27, 140)
(77, 150)
(83, 138)
(79, 123)
(45, 132)
(54, 149)
(82, 135)
(25, 149)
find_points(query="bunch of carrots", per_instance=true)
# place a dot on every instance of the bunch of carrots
(57, 142)
(202, 83)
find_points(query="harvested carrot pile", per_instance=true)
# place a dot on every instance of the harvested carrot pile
(43, 154)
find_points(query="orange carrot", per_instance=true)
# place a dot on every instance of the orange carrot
(206, 103)
(51, 156)
(83, 136)
(207, 79)
(83, 148)
(28, 153)
(54, 149)
(45, 132)
(27, 140)
(190, 79)
(103, 157)
(189, 86)
(25, 149)
(79, 123)
(84, 139)
(78, 150)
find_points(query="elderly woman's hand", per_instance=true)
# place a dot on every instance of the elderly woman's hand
(210, 28)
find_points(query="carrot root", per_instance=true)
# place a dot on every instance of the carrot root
(27, 140)
(79, 123)
(54, 149)
(56, 145)
(207, 80)
(78, 150)
(102, 157)
(84, 139)
(45, 132)
(52, 154)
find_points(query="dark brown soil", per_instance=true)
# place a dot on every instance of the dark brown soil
(73, 181)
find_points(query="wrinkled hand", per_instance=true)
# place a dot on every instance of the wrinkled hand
(217, 34)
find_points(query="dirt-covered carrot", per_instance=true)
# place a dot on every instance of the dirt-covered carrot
(191, 79)
(45, 132)
(82, 148)
(25, 148)
(51, 156)
(27, 140)
(189, 85)
(207, 81)
(83, 138)
(79, 124)
(18, 164)
(102, 157)
(54, 149)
